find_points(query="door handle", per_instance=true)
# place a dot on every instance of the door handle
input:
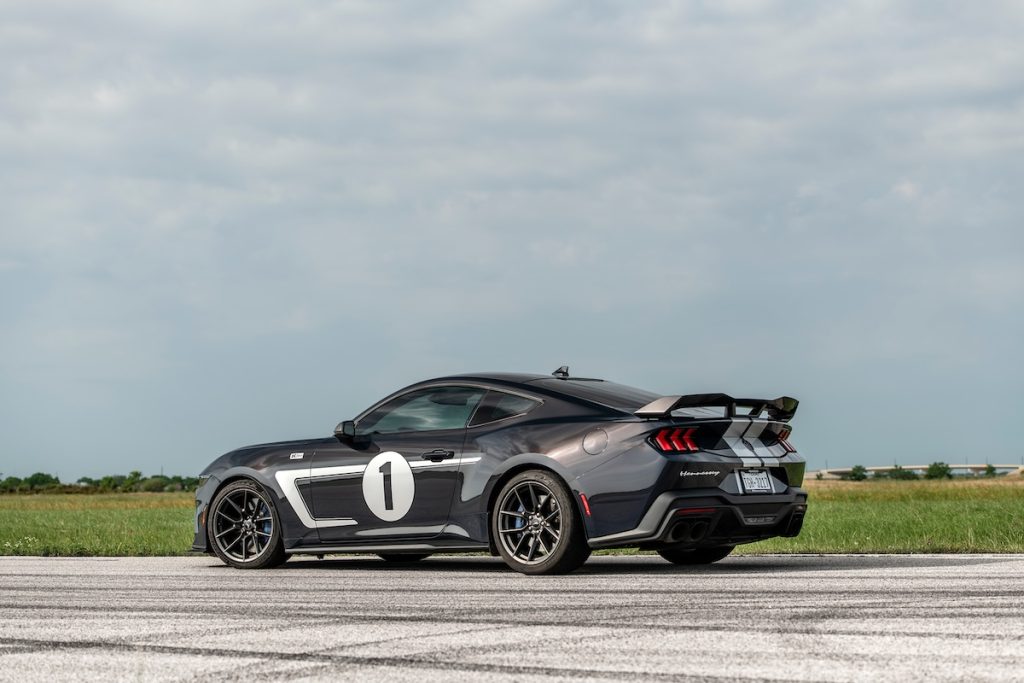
(438, 454)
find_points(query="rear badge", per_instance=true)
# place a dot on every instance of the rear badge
(704, 473)
(296, 456)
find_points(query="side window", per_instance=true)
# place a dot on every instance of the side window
(498, 405)
(423, 411)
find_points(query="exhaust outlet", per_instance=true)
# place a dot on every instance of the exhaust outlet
(698, 531)
(796, 523)
(681, 532)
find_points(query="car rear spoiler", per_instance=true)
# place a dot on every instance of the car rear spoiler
(782, 408)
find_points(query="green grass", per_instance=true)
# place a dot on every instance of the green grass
(951, 516)
(959, 516)
(100, 524)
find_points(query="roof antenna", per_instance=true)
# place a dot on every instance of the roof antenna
(562, 372)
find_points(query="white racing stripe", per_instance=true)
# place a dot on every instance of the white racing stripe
(753, 436)
(288, 480)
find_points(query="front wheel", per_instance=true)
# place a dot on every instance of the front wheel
(243, 526)
(698, 556)
(536, 526)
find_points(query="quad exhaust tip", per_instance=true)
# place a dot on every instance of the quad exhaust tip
(690, 532)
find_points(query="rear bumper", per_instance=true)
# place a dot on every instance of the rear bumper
(709, 517)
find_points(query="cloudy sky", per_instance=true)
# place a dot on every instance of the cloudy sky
(226, 223)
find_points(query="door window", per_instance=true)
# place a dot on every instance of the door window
(423, 410)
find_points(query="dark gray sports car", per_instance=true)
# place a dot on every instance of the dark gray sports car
(539, 469)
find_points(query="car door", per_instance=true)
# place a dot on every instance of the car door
(396, 480)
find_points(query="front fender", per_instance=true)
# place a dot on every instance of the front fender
(293, 531)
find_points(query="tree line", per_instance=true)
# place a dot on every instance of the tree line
(936, 470)
(41, 482)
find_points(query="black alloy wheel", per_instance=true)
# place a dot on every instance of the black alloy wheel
(243, 527)
(536, 526)
(697, 556)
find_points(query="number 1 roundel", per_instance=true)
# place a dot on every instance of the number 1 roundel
(388, 486)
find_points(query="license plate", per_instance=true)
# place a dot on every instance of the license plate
(756, 481)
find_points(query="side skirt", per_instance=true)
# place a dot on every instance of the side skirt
(390, 548)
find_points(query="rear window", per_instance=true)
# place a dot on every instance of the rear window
(617, 396)
(498, 405)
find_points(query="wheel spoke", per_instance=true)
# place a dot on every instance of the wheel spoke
(543, 545)
(520, 515)
(554, 534)
(552, 515)
(511, 531)
(543, 500)
(261, 533)
(225, 532)
(264, 519)
(235, 505)
(515, 551)
(533, 498)
(533, 549)
(228, 517)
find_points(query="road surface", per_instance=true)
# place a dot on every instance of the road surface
(812, 618)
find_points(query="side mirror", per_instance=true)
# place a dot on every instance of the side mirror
(345, 430)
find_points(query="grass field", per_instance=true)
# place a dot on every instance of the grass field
(100, 524)
(944, 516)
(958, 516)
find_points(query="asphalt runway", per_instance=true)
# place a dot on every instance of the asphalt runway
(813, 618)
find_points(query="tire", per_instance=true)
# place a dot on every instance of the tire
(536, 526)
(244, 528)
(403, 557)
(698, 556)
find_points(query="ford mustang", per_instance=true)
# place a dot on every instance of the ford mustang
(539, 469)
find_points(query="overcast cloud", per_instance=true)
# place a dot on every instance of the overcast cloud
(225, 223)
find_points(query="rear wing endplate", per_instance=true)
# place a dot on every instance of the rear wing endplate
(782, 408)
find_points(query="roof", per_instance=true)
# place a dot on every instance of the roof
(609, 394)
(505, 377)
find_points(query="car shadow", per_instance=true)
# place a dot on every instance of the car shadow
(612, 565)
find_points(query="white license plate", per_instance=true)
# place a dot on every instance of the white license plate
(756, 481)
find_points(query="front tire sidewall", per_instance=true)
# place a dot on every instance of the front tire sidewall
(572, 550)
(273, 555)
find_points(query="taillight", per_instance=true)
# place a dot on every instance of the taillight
(675, 440)
(784, 440)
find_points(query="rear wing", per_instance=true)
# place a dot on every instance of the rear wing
(782, 409)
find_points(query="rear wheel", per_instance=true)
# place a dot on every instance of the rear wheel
(536, 526)
(243, 526)
(697, 556)
(403, 557)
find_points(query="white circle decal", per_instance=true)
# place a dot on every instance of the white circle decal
(388, 486)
